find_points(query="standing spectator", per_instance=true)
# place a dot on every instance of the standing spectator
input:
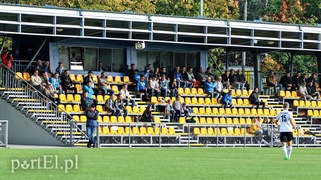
(54, 80)
(60, 69)
(126, 96)
(303, 92)
(226, 80)
(191, 78)
(101, 67)
(104, 85)
(173, 87)
(46, 67)
(201, 76)
(7, 58)
(66, 83)
(90, 78)
(177, 106)
(219, 87)
(142, 87)
(240, 80)
(91, 125)
(209, 88)
(185, 77)
(38, 67)
(111, 106)
(163, 85)
(210, 74)
(119, 104)
(86, 101)
(296, 81)
(169, 110)
(227, 99)
(232, 77)
(254, 98)
(286, 81)
(271, 82)
(154, 89)
(35, 80)
(87, 87)
(312, 79)
(179, 78)
(133, 73)
(147, 115)
(312, 91)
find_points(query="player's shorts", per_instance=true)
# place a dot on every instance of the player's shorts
(286, 136)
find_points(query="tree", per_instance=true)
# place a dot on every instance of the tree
(177, 7)
(253, 12)
(224, 9)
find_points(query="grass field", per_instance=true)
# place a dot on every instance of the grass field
(160, 163)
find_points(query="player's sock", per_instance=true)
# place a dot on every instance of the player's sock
(289, 151)
(284, 150)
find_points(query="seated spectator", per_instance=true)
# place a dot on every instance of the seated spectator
(104, 85)
(46, 67)
(133, 73)
(254, 99)
(173, 87)
(209, 88)
(164, 72)
(177, 106)
(126, 96)
(185, 78)
(157, 73)
(210, 74)
(218, 67)
(312, 79)
(35, 80)
(312, 91)
(101, 68)
(179, 78)
(7, 58)
(90, 78)
(255, 128)
(154, 89)
(296, 81)
(303, 79)
(201, 76)
(60, 69)
(169, 110)
(111, 106)
(227, 99)
(232, 77)
(286, 81)
(91, 125)
(86, 101)
(271, 82)
(66, 83)
(38, 67)
(146, 73)
(147, 115)
(141, 87)
(164, 86)
(219, 87)
(119, 104)
(303, 92)
(225, 80)
(55, 82)
(187, 110)
(240, 81)
(191, 78)
(87, 87)
(47, 88)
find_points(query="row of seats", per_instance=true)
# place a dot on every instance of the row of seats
(236, 111)
(115, 130)
(109, 119)
(302, 103)
(230, 131)
(289, 94)
(222, 120)
(200, 91)
(314, 113)
(76, 108)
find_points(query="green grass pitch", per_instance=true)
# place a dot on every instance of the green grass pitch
(159, 163)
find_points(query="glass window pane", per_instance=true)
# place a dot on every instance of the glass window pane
(118, 58)
(105, 58)
(153, 59)
(76, 59)
(141, 60)
(191, 60)
(90, 61)
(180, 59)
(64, 56)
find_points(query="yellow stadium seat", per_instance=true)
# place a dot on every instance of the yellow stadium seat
(307, 104)
(135, 109)
(135, 131)
(126, 79)
(301, 103)
(208, 101)
(239, 102)
(164, 131)
(171, 131)
(70, 97)
(201, 101)
(113, 119)
(238, 92)
(195, 109)
(188, 100)
(83, 118)
(157, 119)
(272, 112)
(127, 130)
(61, 108)
(216, 121)
(209, 120)
(193, 91)
(244, 92)
(63, 98)
(121, 119)
(150, 131)
(310, 112)
(223, 132)
(221, 111)
(76, 118)
(100, 119)
(288, 94)
(79, 78)
(69, 108)
(295, 103)
(234, 101)
(214, 101)
(72, 77)
(236, 121)
(281, 94)
(100, 99)
(180, 91)
(316, 113)
(210, 131)
(203, 131)
(194, 100)
(156, 131)
(115, 89)
(201, 110)
(266, 112)
(222, 121)
(121, 130)
(117, 79)
(202, 120)
(187, 91)
(142, 130)
(128, 119)
(99, 108)
(196, 120)
(105, 130)
(153, 100)
(294, 94)
(248, 121)
(260, 112)
(200, 91)
(217, 131)
(242, 121)
(247, 111)
(182, 120)
(314, 104)
(110, 79)
(228, 111)
(26, 76)
(76, 108)
(237, 131)
(196, 131)
(106, 119)
(208, 110)
(229, 121)
(234, 111)
(246, 102)
(215, 111)
(181, 100)
(241, 111)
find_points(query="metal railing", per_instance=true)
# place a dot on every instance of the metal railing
(39, 107)
(3, 133)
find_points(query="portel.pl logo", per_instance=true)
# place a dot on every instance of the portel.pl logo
(45, 162)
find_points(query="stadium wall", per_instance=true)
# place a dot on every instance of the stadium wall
(23, 131)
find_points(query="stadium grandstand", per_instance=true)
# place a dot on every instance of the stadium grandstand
(87, 43)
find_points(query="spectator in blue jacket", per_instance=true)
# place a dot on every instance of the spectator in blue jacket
(55, 82)
(146, 73)
(227, 99)
(209, 88)
(91, 125)
(142, 86)
(60, 69)
(87, 87)
(179, 78)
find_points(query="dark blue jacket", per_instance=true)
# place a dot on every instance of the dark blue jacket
(227, 98)
(92, 118)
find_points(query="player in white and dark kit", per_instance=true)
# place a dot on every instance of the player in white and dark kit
(287, 123)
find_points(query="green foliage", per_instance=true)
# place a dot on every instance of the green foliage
(214, 54)
(177, 7)
(224, 9)
(253, 12)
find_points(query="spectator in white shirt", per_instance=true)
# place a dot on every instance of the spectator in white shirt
(126, 96)
(303, 92)
(219, 86)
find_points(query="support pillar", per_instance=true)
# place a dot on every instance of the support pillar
(318, 56)
(256, 59)
(227, 51)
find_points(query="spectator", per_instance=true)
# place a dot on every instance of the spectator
(47, 88)
(38, 67)
(142, 87)
(312, 91)
(185, 77)
(87, 87)
(191, 78)
(101, 67)
(173, 87)
(126, 96)
(201, 76)
(255, 128)
(179, 78)
(303, 92)
(187, 110)
(86, 101)
(146, 73)
(227, 99)
(54, 80)
(218, 67)
(147, 115)
(133, 73)
(150, 68)
(303, 79)
(104, 85)
(210, 74)
(111, 106)
(90, 78)
(164, 72)
(286, 81)
(271, 82)
(209, 88)
(163, 85)
(157, 73)
(120, 107)
(91, 125)
(177, 106)
(35, 80)
(169, 110)
(7, 58)
(254, 99)
(296, 81)
(46, 67)
(312, 79)
(60, 69)
(157, 63)
(66, 83)
(240, 80)
(232, 77)
(154, 89)
(225, 80)
(219, 87)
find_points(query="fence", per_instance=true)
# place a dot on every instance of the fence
(3, 133)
